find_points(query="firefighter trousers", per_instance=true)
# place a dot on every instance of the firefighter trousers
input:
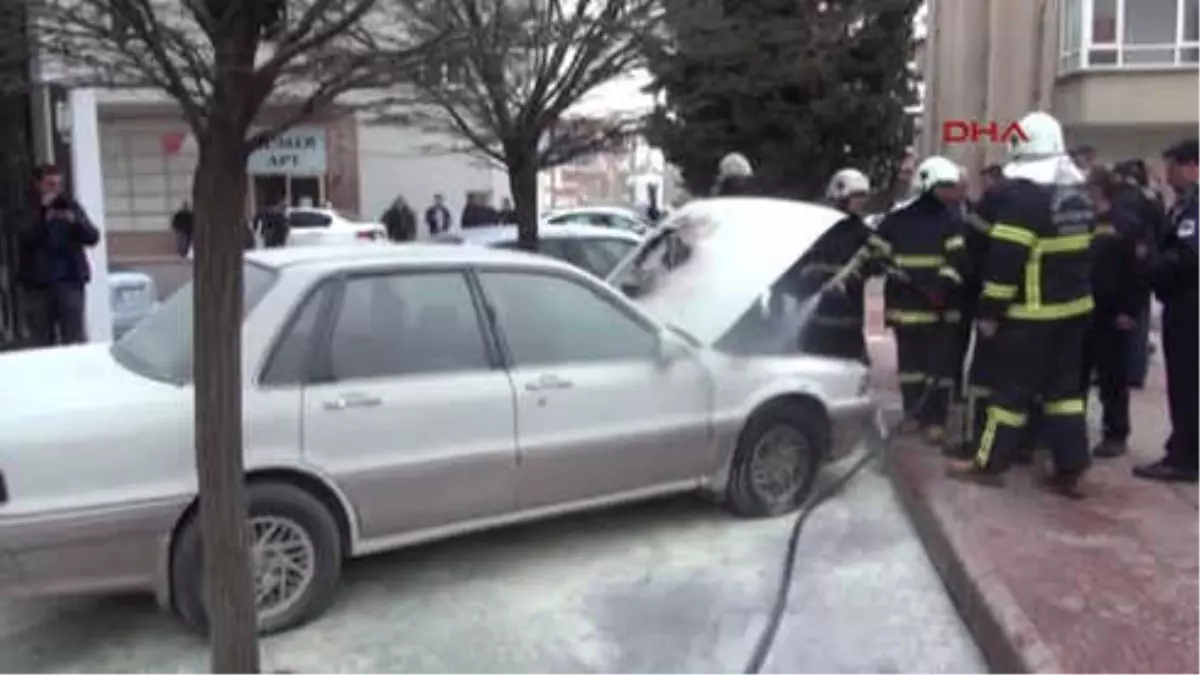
(924, 368)
(1035, 363)
(1107, 354)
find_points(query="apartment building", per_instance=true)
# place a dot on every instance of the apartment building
(1121, 75)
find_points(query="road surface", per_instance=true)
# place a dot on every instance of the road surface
(671, 586)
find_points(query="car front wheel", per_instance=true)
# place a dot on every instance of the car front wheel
(776, 461)
(296, 554)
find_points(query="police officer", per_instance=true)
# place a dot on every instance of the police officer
(1119, 297)
(836, 327)
(1034, 307)
(915, 240)
(1172, 275)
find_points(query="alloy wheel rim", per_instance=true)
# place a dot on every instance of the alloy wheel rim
(777, 466)
(284, 564)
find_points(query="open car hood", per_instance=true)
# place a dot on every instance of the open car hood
(712, 260)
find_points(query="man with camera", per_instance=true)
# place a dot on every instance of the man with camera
(53, 265)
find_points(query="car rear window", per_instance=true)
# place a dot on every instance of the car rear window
(308, 219)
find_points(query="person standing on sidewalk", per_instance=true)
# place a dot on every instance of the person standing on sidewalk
(1172, 275)
(183, 223)
(1119, 295)
(53, 268)
(437, 216)
(1034, 308)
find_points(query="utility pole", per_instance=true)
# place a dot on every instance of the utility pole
(16, 161)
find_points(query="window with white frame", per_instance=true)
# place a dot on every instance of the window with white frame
(1129, 33)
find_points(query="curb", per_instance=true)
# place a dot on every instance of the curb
(1008, 640)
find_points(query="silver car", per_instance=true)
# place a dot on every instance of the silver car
(399, 394)
(588, 247)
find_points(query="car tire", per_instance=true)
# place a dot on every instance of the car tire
(780, 429)
(312, 530)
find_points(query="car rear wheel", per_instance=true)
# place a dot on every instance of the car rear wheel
(776, 462)
(296, 553)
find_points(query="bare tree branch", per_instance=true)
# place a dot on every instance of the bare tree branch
(520, 67)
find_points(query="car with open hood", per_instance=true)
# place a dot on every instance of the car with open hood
(400, 394)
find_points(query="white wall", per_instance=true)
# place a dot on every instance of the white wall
(412, 162)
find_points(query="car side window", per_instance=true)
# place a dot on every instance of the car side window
(405, 324)
(549, 320)
(308, 219)
(291, 360)
(601, 255)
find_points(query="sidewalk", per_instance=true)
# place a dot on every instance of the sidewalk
(1046, 584)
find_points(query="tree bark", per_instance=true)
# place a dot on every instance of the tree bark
(523, 184)
(218, 196)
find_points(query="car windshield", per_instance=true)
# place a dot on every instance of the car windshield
(160, 346)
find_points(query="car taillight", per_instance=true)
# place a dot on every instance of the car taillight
(367, 236)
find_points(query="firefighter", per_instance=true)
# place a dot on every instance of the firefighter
(735, 176)
(1034, 308)
(836, 327)
(1119, 297)
(915, 240)
(1172, 275)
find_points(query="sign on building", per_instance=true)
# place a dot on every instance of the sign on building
(298, 152)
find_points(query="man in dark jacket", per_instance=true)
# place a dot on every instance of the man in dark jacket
(437, 217)
(183, 223)
(477, 212)
(54, 269)
(735, 176)
(1136, 198)
(1119, 296)
(400, 221)
(272, 226)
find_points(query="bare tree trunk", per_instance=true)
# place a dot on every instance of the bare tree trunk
(523, 184)
(16, 163)
(218, 198)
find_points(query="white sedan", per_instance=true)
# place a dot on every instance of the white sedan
(595, 249)
(399, 394)
(612, 217)
(312, 226)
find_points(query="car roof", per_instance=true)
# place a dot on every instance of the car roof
(389, 253)
(494, 234)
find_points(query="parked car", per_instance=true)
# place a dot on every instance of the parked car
(591, 248)
(612, 217)
(132, 297)
(399, 394)
(313, 226)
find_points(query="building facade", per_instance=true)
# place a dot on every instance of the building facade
(343, 160)
(1121, 75)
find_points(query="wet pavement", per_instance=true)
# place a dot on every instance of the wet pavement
(1047, 584)
(670, 586)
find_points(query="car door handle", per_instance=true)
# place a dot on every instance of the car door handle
(548, 382)
(353, 401)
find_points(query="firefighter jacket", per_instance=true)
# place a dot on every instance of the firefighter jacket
(1173, 272)
(830, 255)
(1116, 284)
(964, 264)
(917, 241)
(1038, 264)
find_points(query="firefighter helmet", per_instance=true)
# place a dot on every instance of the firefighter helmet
(935, 171)
(847, 182)
(1040, 136)
(735, 165)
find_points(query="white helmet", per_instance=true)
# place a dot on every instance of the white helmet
(847, 182)
(935, 171)
(735, 165)
(1041, 136)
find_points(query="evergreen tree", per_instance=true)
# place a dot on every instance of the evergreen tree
(801, 87)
